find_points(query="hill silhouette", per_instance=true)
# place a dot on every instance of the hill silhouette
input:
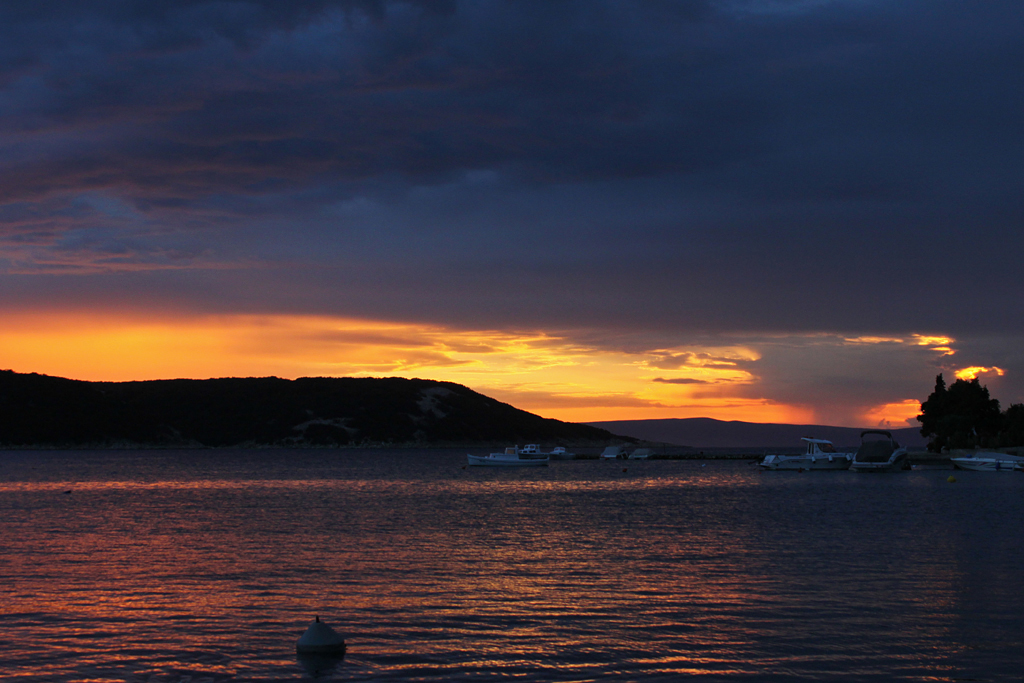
(40, 410)
(705, 432)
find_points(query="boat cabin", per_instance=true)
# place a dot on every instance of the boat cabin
(879, 449)
(818, 446)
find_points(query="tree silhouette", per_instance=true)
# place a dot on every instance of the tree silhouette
(962, 416)
(1013, 426)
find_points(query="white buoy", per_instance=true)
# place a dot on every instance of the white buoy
(320, 639)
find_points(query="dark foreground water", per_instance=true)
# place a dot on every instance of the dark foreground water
(207, 565)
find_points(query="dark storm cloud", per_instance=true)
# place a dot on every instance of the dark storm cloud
(243, 93)
(175, 101)
(694, 165)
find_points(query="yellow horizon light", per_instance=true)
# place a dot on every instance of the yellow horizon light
(548, 374)
(752, 410)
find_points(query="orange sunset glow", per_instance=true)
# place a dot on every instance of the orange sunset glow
(894, 415)
(548, 375)
(551, 374)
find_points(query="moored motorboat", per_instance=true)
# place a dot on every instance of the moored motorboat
(512, 457)
(820, 454)
(879, 454)
(560, 453)
(989, 462)
(613, 453)
(641, 454)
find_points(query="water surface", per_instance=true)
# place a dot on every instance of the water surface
(207, 565)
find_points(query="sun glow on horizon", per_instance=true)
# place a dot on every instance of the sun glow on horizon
(898, 415)
(549, 375)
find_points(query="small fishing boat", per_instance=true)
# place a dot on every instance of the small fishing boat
(512, 457)
(820, 454)
(988, 462)
(879, 454)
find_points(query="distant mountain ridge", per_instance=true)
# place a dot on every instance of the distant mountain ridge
(39, 410)
(705, 432)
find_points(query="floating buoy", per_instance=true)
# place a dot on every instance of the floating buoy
(320, 639)
(623, 469)
(951, 479)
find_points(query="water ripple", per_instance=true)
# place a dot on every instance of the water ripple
(206, 566)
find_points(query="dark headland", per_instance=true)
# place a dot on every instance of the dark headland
(705, 432)
(43, 411)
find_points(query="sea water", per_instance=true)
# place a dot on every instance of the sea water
(208, 565)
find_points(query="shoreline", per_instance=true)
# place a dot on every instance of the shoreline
(587, 452)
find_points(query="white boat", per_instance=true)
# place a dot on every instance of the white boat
(512, 457)
(989, 462)
(613, 453)
(882, 454)
(819, 455)
(560, 453)
(641, 454)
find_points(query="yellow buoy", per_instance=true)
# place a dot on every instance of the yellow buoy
(951, 479)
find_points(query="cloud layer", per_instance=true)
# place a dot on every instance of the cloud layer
(632, 175)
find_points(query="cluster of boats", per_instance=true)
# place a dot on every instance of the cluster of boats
(529, 455)
(620, 453)
(879, 452)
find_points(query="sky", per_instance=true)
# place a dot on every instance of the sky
(763, 210)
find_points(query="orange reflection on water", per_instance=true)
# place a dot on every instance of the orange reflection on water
(674, 569)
